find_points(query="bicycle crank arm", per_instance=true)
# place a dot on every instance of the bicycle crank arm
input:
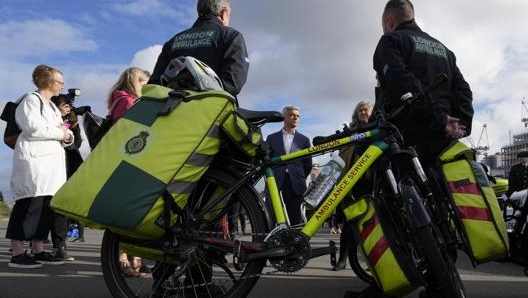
(321, 251)
(277, 252)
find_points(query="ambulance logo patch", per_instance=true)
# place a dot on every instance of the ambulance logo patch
(137, 143)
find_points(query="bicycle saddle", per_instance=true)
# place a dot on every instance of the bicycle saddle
(260, 117)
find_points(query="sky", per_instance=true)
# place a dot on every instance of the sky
(315, 54)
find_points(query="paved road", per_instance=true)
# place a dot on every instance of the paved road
(83, 278)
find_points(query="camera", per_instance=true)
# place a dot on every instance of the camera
(69, 98)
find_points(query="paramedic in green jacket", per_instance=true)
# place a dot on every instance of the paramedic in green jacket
(211, 41)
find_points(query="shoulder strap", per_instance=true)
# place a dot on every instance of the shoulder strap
(18, 101)
(40, 99)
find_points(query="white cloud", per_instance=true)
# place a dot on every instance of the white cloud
(323, 56)
(179, 10)
(147, 58)
(42, 38)
(313, 53)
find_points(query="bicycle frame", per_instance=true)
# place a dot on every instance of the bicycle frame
(347, 181)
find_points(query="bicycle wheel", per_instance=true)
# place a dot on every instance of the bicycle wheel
(441, 269)
(359, 264)
(441, 272)
(206, 270)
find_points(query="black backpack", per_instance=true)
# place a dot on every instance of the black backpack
(95, 127)
(8, 115)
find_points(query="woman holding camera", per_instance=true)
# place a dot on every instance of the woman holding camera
(61, 223)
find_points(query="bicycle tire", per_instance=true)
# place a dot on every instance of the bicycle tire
(358, 265)
(210, 271)
(441, 268)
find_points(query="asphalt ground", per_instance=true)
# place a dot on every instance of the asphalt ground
(82, 278)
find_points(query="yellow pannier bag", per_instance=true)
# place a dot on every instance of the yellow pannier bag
(475, 203)
(243, 135)
(162, 145)
(392, 269)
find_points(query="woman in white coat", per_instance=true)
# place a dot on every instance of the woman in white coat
(38, 169)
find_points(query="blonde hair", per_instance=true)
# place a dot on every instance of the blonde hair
(128, 81)
(44, 75)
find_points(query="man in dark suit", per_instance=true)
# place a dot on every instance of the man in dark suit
(291, 179)
(518, 177)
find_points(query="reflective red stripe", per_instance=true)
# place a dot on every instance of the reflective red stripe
(378, 250)
(380, 247)
(368, 228)
(476, 213)
(470, 188)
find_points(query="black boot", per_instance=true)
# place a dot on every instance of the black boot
(62, 254)
(343, 251)
(341, 264)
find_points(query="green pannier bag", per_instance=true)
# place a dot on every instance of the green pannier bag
(163, 144)
(391, 267)
(475, 203)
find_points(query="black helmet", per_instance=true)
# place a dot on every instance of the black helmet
(186, 72)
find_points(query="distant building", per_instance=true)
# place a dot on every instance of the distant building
(495, 164)
(509, 153)
(495, 160)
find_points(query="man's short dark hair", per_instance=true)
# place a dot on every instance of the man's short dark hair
(211, 7)
(401, 10)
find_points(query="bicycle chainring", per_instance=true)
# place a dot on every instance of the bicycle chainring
(301, 250)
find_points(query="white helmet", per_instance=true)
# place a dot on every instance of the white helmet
(186, 72)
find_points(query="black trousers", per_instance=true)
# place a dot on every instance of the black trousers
(30, 219)
(293, 202)
(59, 230)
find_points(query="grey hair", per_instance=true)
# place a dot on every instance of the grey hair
(355, 118)
(213, 7)
(289, 108)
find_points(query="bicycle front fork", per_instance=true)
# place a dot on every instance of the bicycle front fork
(409, 192)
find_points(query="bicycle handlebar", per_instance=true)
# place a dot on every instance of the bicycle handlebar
(407, 99)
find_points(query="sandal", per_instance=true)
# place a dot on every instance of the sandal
(144, 269)
(127, 270)
(140, 268)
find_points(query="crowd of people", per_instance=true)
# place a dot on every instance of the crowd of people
(405, 60)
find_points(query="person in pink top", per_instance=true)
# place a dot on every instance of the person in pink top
(126, 91)
(122, 96)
